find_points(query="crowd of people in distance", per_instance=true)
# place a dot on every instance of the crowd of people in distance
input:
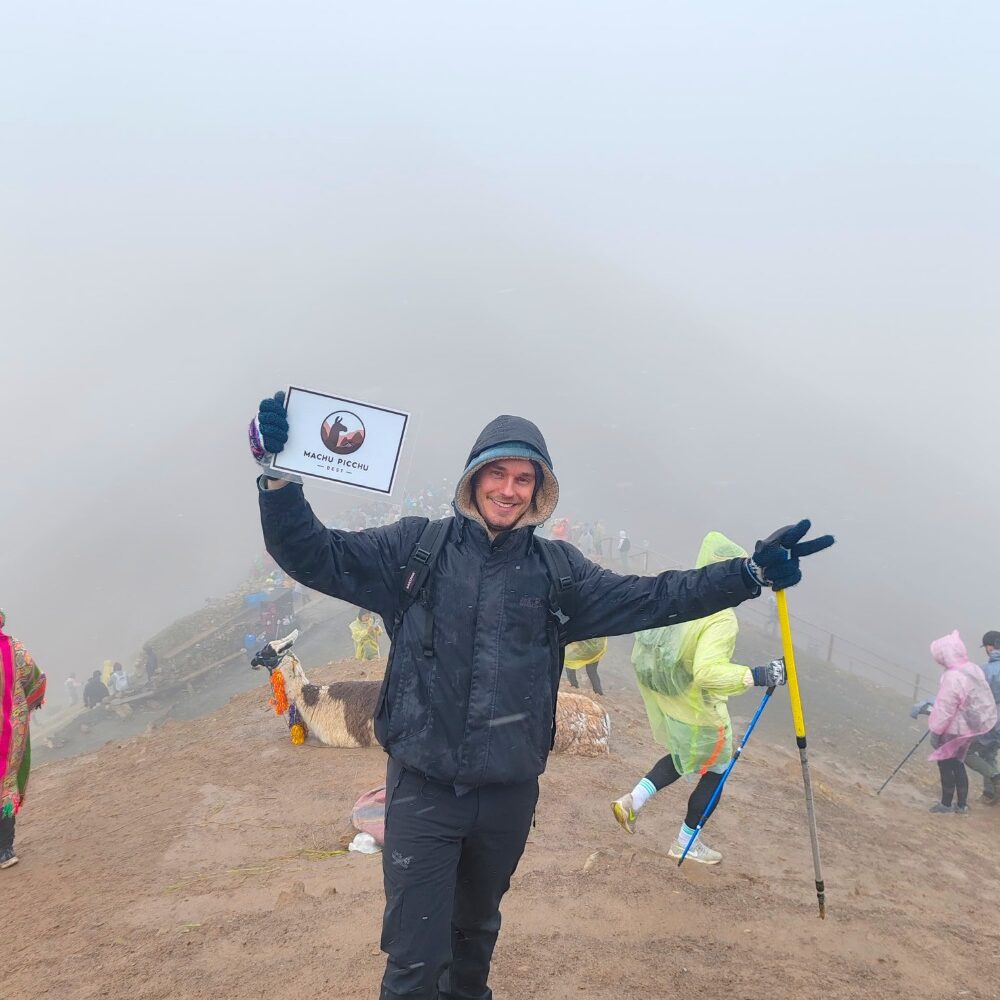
(435, 501)
(102, 684)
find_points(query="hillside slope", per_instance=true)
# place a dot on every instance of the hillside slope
(194, 862)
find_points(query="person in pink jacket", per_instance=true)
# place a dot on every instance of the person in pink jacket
(963, 709)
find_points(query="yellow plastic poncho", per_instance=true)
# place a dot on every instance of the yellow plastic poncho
(365, 636)
(579, 654)
(686, 674)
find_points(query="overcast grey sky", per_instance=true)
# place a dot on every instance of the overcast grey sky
(738, 261)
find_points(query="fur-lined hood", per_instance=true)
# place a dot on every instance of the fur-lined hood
(510, 437)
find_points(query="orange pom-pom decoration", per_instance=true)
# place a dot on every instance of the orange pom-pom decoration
(298, 734)
(280, 699)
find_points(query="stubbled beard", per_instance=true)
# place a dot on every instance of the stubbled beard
(499, 527)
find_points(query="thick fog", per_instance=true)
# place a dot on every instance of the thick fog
(738, 262)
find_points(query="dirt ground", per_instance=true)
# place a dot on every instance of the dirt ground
(196, 862)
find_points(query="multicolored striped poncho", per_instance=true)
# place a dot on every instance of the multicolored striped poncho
(22, 689)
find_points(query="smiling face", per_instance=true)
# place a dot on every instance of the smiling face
(502, 491)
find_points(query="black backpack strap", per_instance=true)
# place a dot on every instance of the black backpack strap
(562, 587)
(417, 572)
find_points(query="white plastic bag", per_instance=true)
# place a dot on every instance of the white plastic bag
(364, 843)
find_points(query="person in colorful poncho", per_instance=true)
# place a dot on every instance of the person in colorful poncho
(22, 689)
(365, 632)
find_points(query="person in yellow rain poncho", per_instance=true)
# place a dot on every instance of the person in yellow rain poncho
(365, 632)
(585, 654)
(685, 675)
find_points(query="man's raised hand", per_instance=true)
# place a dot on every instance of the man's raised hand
(269, 429)
(775, 560)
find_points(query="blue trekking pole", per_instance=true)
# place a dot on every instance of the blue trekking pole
(725, 775)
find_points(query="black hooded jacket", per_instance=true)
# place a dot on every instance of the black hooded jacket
(480, 710)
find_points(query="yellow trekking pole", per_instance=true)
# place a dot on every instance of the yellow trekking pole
(800, 739)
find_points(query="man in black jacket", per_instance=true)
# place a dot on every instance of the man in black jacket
(467, 706)
(95, 691)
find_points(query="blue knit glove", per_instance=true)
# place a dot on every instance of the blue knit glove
(269, 429)
(775, 561)
(921, 708)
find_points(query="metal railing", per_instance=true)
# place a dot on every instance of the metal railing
(635, 562)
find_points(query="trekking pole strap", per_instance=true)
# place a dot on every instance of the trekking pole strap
(416, 574)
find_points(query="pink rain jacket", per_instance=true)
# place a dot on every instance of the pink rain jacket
(964, 707)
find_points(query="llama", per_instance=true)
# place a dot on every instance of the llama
(341, 714)
(331, 431)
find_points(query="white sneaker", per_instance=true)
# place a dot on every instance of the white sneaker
(700, 852)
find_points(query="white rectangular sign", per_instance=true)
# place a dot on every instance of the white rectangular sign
(340, 440)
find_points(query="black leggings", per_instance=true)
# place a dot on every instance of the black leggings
(6, 832)
(954, 780)
(664, 773)
(595, 681)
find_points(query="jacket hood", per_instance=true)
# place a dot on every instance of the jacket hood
(949, 651)
(510, 437)
(717, 548)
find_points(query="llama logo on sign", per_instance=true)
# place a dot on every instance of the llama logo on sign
(343, 432)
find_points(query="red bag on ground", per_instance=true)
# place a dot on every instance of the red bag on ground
(368, 814)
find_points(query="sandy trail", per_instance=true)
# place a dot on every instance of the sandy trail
(194, 862)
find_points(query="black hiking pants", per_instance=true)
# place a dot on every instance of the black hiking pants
(954, 782)
(446, 863)
(6, 832)
(593, 676)
(665, 773)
